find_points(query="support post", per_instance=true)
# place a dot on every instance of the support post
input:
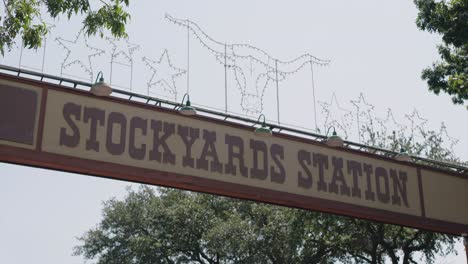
(277, 92)
(131, 75)
(188, 58)
(44, 55)
(225, 80)
(111, 66)
(21, 55)
(313, 95)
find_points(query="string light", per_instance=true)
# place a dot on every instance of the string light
(76, 60)
(391, 122)
(122, 48)
(336, 116)
(244, 58)
(363, 114)
(416, 121)
(445, 137)
(167, 84)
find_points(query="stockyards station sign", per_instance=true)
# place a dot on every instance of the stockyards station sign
(54, 127)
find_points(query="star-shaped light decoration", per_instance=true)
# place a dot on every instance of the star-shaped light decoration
(389, 123)
(363, 115)
(164, 74)
(122, 53)
(363, 109)
(122, 48)
(447, 138)
(416, 121)
(74, 57)
(336, 116)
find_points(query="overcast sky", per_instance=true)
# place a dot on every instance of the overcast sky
(374, 48)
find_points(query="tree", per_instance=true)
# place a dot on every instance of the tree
(450, 19)
(23, 18)
(182, 227)
(369, 242)
(174, 226)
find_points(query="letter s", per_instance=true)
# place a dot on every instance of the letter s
(277, 154)
(304, 177)
(69, 110)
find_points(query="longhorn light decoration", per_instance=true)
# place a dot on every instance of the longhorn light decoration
(253, 69)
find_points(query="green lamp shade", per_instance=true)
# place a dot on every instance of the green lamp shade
(334, 141)
(187, 109)
(403, 156)
(263, 131)
(101, 88)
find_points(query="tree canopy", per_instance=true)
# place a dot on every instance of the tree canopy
(173, 226)
(450, 19)
(24, 18)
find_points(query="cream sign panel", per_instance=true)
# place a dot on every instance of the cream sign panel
(64, 129)
(101, 130)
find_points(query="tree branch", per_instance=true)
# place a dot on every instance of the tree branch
(104, 2)
(7, 8)
(203, 255)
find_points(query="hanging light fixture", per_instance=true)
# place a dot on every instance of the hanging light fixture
(187, 109)
(334, 140)
(403, 156)
(263, 131)
(101, 88)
